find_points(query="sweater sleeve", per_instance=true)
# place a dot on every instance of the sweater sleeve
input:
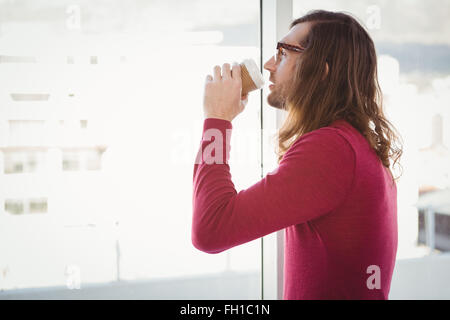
(313, 178)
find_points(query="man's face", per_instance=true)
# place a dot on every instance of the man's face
(281, 72)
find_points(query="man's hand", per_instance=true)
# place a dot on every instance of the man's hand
(222, 98)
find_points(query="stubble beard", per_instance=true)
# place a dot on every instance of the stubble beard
(276, 98)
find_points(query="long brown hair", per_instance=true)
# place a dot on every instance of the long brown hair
(350, 91)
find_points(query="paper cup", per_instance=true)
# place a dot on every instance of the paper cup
(252, 79)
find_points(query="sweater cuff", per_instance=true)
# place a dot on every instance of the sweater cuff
(216, 123)
(215, 145)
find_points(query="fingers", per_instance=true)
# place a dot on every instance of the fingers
(226, 72)
(236, 71)
(217, 75)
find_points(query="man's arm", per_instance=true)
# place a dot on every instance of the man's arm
(313, 179)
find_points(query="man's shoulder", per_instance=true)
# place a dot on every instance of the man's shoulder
(336, 134)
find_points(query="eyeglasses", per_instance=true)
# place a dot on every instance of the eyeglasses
(290, 47)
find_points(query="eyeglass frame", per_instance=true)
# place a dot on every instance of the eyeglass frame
(289, 47)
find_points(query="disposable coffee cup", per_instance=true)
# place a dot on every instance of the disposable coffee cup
(252, 79)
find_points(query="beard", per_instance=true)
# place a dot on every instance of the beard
(277, 98)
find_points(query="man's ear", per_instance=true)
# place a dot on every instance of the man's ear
(327, 69)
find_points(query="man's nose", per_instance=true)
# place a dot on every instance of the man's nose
(270, 65)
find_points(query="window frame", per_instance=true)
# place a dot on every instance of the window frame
(276, 16)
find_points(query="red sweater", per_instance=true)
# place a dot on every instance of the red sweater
(330, 193)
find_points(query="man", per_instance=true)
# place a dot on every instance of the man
(333, 192)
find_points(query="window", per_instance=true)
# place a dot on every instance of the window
(412, 39)
(83, 124)
(118, 112)
(413, 54)
(38, 205)
(82, 159)
(22, 160)
(14, 206)
(21, 206)
(71, 161)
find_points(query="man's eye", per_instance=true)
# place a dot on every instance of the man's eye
(280, 53)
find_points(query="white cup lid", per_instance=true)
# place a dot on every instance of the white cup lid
(253, 71)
